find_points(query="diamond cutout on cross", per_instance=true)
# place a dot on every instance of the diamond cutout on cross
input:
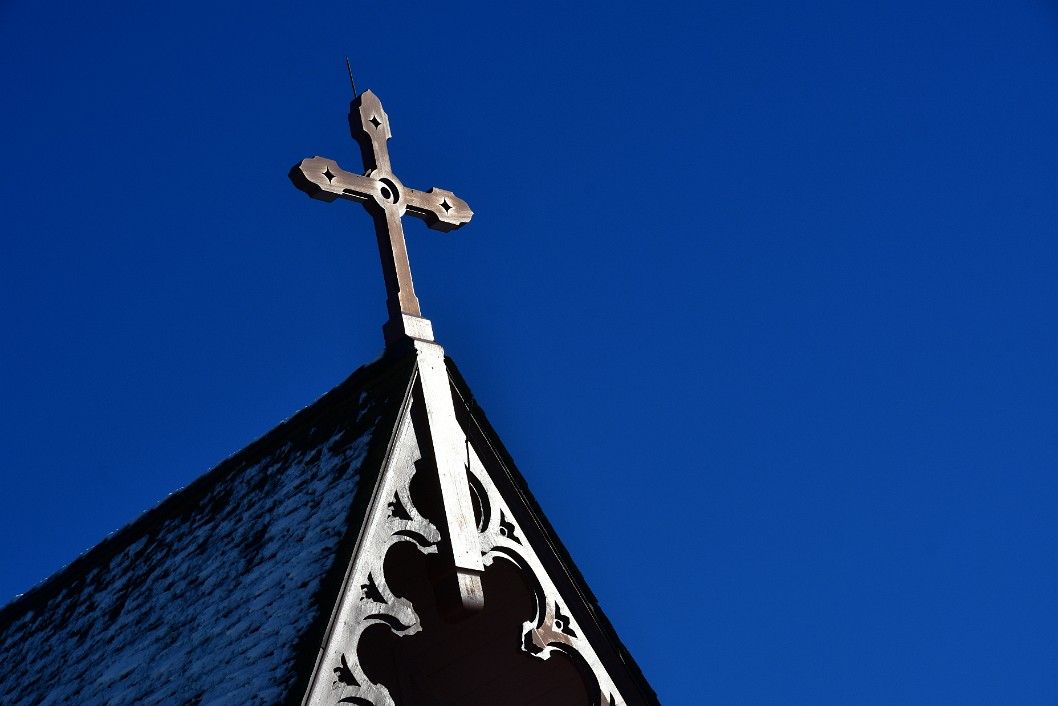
(380, 192)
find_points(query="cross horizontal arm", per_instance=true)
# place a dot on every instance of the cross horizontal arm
(323, 179)
(442, 210)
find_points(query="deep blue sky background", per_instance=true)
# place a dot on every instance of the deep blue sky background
(760, 295)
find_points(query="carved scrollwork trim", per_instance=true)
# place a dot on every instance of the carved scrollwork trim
(552, 629)
(366, 597)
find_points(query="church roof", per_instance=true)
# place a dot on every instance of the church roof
(212, 596)
(223, 593)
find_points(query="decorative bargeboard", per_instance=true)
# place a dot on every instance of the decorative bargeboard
(367, 599)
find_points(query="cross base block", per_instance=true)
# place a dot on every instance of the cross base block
(398, 331)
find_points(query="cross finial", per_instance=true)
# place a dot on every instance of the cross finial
(386, 199)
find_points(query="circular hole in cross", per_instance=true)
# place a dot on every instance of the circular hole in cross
(388, 190)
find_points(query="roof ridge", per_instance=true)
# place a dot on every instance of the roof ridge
(373, 374)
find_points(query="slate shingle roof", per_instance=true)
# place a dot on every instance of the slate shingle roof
(220, 594)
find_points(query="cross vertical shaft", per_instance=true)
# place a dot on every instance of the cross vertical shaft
(396, 268)
(369, 126)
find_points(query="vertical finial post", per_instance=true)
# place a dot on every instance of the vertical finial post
(350, 68)
(387, 199)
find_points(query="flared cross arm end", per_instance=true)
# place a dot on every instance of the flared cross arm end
(441, 209)
(323, 179)
(369, 126)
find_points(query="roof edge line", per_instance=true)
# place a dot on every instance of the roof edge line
(403, 418)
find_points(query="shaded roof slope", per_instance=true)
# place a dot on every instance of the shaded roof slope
(220, 594)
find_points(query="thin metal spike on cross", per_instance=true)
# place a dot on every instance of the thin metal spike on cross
(387, 200)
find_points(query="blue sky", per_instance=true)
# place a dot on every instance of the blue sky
(761, 297)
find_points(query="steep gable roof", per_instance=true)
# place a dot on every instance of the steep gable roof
(398, 634)
(211, 596)
(255, 584)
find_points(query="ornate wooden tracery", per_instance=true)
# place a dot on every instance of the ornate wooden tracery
(470, 541)
(367, 599)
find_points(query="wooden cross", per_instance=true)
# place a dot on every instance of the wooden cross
(386, 199)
